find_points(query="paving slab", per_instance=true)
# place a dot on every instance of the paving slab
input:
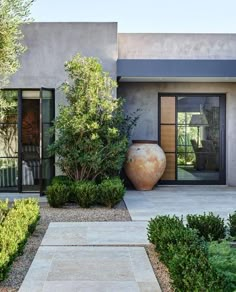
(96, 233)
(181, 200)
(93, 268)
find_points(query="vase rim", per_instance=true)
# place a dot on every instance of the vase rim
(144, 141)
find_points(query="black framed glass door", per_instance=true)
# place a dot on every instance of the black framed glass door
(25, 119)
(197, 140)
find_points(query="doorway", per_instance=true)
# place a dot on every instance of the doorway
(192, 134)
(25, 119)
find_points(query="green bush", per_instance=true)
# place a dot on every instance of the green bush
(92, 129)
(209, 226)
(223, 259)
(86, 193)
(110, 192)
(68, 183)
(57, 195)
(161, 226)
(184, 253)
(190, 269)
(19, 222)
(232, 224)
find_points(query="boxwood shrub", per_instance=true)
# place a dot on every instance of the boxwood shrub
(57, 194)
(68, 183)
(185, 254)
(210, 226)
(85, 193)
(18, 223)
(110, 192)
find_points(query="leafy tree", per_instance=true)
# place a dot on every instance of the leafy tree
(92, 131)
(13, 13)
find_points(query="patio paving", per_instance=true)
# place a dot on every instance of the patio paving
(181, 200)
(92, 256)
(96, 233)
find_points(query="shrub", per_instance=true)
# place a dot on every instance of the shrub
(190, 269)
(163, 224)
(223, 259)
(184, 253)
(92, 130)
(19, 222)
(68, 183)
(209, 226)
(86, 193)
(111, 191)
(57, 195)
(232, 224)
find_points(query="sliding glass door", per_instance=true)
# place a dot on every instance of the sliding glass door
(192, 134)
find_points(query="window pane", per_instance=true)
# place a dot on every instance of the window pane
(8, 140)
(8, 106)
(8, 173)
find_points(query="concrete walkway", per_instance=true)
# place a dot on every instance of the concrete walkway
(181, 200)
(92, 257)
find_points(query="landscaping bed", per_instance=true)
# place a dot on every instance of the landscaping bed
(69, 213)
(16, 224)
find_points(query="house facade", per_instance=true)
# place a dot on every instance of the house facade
(184, 84)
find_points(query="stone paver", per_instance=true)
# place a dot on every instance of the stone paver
(96, 233)
(90, 268)
(181, 200)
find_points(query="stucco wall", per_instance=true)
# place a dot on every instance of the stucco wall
(176, 46)
(145, 95)
(50, 45)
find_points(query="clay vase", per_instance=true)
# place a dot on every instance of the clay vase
(145, 164)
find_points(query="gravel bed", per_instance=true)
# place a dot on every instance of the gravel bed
(159, 269)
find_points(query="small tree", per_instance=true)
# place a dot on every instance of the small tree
(92, 132)
(13, 13)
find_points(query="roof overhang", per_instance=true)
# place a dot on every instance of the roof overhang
(152, 70)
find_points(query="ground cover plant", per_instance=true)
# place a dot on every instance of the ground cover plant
(17, 223)
(195, 264)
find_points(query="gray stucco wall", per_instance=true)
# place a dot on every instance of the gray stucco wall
(50, 45)
(176, 46)
(145, 95)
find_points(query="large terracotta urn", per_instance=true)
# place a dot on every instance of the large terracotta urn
(145, 164)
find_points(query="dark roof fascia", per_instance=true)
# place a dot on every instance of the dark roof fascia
(175, 68)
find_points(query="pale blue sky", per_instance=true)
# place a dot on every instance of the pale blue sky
(208, 16)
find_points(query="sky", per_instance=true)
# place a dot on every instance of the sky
(177, 16)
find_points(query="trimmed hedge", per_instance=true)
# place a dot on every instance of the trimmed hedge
(19, 222)
(110, 192)
(57, 195)
(209, 226)
(86, 193)
(185, 254)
